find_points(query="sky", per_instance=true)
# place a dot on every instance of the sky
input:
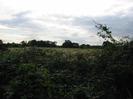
(59, 20)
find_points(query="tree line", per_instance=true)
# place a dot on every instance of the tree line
(42, 43)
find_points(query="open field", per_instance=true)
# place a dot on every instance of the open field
(61, 50)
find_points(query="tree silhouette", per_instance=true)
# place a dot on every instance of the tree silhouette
(2, 46)
(105, 33)
(24, 43)
(67, 44)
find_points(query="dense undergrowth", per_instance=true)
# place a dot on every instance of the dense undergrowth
(37, 73)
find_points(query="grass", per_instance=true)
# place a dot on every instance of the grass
(65, 50)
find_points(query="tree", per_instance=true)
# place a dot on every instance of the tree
(116, 59)
(84, 46)
(105, 33)
(23, 43)
(32, 43)
(2, 46)
(67, 44)
(75, 45)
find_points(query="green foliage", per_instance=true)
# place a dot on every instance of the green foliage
(35, 73)
(41, 43)
(69, 44)
(24, 81)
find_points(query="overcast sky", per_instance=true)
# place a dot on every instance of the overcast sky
(60, 20)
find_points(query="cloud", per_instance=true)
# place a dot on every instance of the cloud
(66, 7)
(22, 21)
(80, 29)
(53, 27)
(120, 24)
(60, 20)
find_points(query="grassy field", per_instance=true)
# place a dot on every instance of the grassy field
(82, 50)
(54, 52)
